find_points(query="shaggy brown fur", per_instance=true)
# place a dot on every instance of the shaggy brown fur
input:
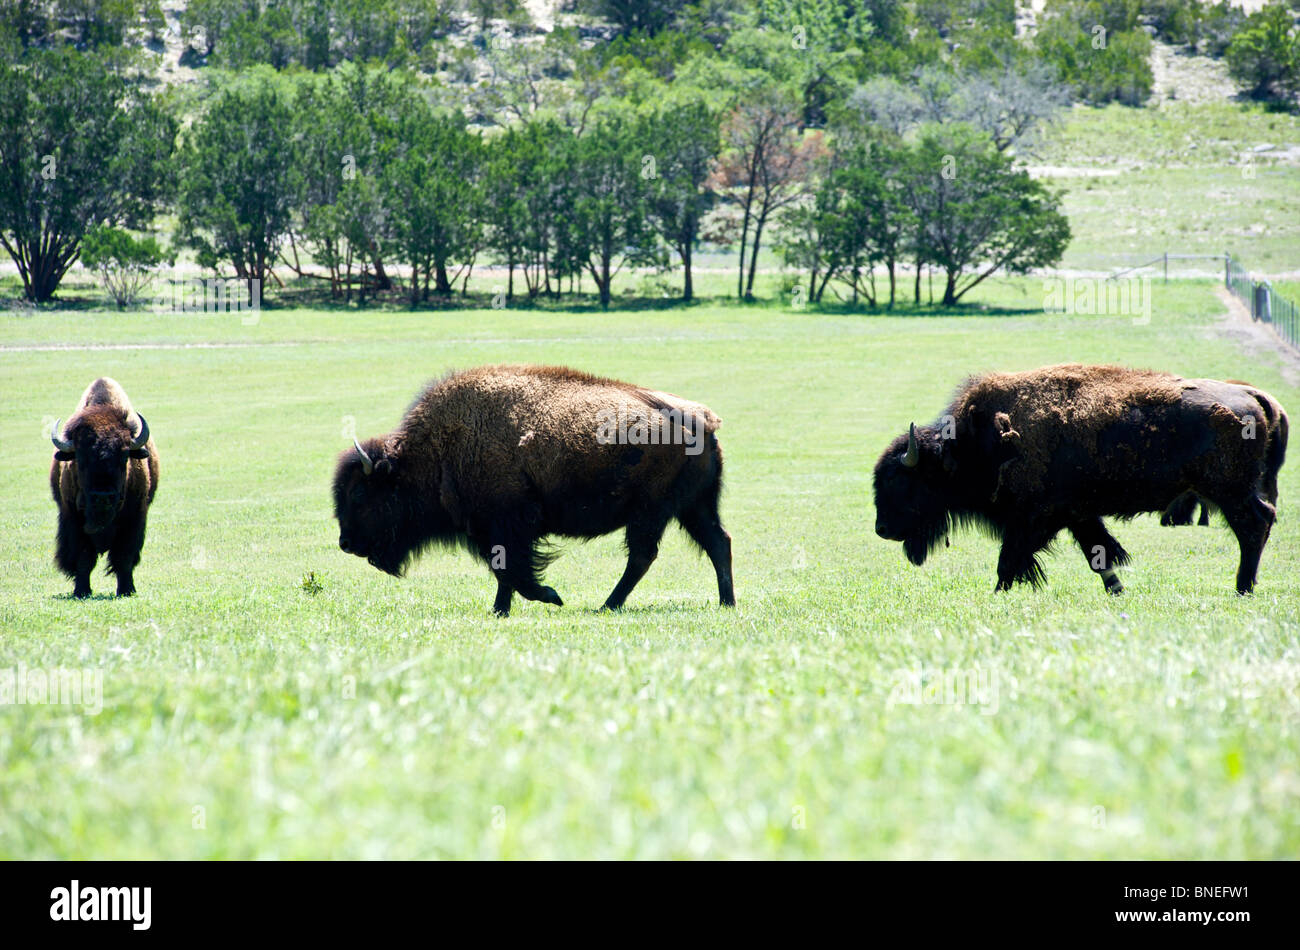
(103, 486)
(497, 458)
(1026, 455)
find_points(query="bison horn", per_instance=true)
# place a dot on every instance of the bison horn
(367, 466)
(913, 455)
(139, 441)
(61, 444)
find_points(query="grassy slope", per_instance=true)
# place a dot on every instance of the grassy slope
(675, 729)
(1183, 184)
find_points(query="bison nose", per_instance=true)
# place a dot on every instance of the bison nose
(345, 545)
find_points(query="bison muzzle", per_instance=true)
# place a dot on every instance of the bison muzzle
(498, 458)
(1027, 455)
(104, 475)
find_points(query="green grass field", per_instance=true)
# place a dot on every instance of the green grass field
(244, 717)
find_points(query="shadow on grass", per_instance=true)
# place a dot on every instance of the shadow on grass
(312, 296)
(81, 600)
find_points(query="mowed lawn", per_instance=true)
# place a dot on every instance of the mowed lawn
(244, 717)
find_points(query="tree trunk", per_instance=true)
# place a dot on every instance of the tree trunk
(753, 254)
(688, 290)
(950, 290)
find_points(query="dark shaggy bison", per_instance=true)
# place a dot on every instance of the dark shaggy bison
(104, 475)
(497, 458)
(1026, 455)
(1182, 511)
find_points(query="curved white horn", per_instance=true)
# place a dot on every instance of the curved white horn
(913, 455)
(61, 444)
(367, 466)
(139, 441)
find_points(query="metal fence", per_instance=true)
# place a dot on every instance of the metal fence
(1265, 304)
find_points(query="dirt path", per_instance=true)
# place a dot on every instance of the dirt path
(1258, 339)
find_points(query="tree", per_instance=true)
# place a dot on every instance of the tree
(1009, 101)
(854, 220)
(682, 142)
(125, 263)
(78, 146)
(607, 227)
(1097, 49)
(431, 191)
(976, 213)
(764, 167)
(636, 16)
(1265, 53)
(236, 188)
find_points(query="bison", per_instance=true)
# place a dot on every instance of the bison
(1026, 455)
(497, 458)
(104, 475)
(1182, 511)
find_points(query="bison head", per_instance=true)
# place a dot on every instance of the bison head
(911, 493)
(101, 443)
(380, 518)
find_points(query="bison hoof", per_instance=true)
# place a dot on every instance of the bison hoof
(499, 612)
(81, 594)
(549, 596)
(127, 592)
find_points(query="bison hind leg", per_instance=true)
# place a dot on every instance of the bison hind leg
(642, 540)
(704, 527)
(1251, 520)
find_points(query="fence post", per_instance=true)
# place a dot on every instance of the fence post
(1166, 267)
(1227, 270)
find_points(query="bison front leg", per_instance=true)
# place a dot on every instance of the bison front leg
(516, 564)
(124, 555)
(1017, 560)
(1103, 552)
(75, 555)
(505, 594)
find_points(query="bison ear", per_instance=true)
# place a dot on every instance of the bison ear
(384, 467)
(1008, 438)
(62, 456)
(138, 453)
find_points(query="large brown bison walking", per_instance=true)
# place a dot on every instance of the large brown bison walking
(497, 458)
(104, 475)
(1029, 454)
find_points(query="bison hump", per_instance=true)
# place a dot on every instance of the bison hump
(662, 400)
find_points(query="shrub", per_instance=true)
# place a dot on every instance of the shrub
(125, 263)
(1265, 53)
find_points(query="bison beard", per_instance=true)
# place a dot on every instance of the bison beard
(497, 458)
(104, 475)
(1027, 455)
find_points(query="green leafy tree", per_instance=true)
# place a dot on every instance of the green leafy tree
(1265, 53)
(236, 191)
(607, 226)
(78, 146)
(682, 142)
(976, 213)
(431, 186)
(125, 263)
(1097, 50)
